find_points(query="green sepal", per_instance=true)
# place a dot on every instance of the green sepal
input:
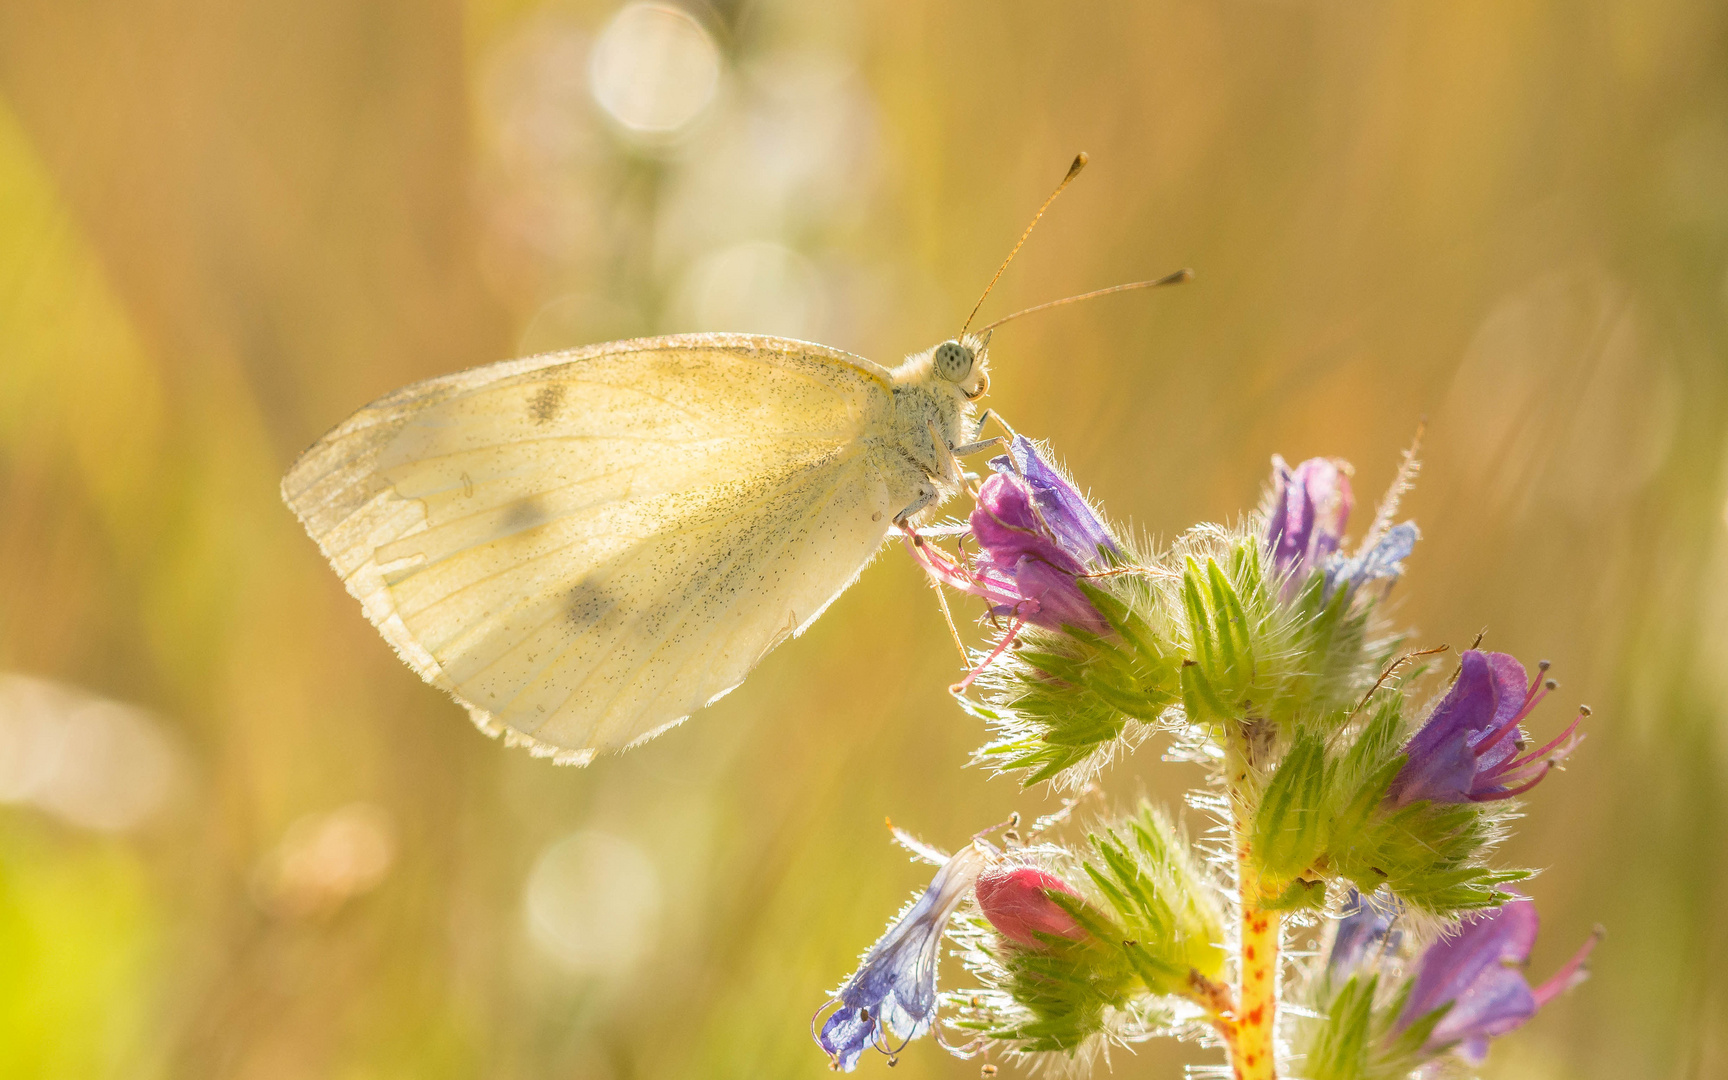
(1428, 855)
(1067, 668)
(1356, 1034)
(1134, 630)
(1200, 699)
(1341, 1044)
(1160, 898)
(1157, 974)
(1364, 776)
(1064, 697)
(1290, 827)
(1205, 647)
(1220, 635)
(1412, 1041)
(1321, 818)
(1228, 616)
(1064, 987)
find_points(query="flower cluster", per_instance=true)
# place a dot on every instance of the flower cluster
(1262, 654)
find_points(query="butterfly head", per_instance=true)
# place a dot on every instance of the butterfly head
(962, 362)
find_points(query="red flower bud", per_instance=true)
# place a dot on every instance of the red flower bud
(1014, 900)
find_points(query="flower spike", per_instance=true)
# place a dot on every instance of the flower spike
(1262, 651)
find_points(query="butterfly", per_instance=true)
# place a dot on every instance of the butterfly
(586, 547)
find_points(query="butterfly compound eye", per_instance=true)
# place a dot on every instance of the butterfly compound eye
(953, 361)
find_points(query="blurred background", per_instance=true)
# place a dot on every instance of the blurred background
(240, 839)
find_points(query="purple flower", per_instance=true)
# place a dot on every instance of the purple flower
(1038, 536)
(1368, 926)
(1479, 973)
(1468, 748)
(1310, 507)
(894, 988)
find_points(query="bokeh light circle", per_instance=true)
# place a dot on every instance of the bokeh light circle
(94, 763)
(654, 69)
(593, 903)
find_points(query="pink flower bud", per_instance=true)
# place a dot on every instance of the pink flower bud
(1014, 900)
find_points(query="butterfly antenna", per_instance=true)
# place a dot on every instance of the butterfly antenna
(1177, 278)
(1080, 160)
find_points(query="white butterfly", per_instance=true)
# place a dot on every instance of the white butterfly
(586, 547)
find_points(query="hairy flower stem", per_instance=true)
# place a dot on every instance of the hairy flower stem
(1220, 1006)
(1252, 1051)
(1258, 995)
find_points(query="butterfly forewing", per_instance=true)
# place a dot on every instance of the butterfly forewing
(586, 547)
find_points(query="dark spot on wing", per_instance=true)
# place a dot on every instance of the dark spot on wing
(543, 406)
(524, 514)
(588, 603)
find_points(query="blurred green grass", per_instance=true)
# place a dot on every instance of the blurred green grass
(226, 226)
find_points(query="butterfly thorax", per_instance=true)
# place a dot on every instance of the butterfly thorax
(933, 413)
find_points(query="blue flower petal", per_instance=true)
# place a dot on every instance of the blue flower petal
(847, 1034)
(1384, 561)
(894, 989)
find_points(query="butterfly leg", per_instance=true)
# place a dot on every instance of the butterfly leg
(979, 446)
(991, 414)
(978, 428)
(926, 496)
(975, 446)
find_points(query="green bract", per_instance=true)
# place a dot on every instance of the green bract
(1354, 1037)
(1059, 702)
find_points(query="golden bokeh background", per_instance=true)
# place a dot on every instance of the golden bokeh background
(241, 840)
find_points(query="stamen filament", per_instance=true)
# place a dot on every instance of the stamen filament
(1553, 744)
(1570, 973)
(1001, 647)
